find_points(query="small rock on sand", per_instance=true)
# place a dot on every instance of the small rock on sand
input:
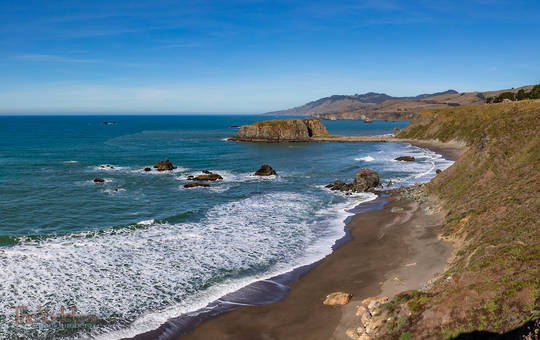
(337, 298)
(355, 333)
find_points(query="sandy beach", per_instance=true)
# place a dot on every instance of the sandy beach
(392, 249)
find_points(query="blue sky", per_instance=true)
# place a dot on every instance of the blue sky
(241, 56)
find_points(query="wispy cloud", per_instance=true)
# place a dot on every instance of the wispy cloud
(53, 58)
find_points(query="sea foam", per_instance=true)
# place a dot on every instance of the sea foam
(123, 274)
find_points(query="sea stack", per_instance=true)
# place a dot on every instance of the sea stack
(164, 165)
(282, 130)
(265, 170)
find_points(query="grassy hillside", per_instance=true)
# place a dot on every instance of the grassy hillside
(491, 200)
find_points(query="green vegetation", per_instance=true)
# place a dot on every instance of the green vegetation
(491, 200)
(534, 93)
(406, 336)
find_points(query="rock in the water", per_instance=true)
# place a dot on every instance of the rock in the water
(365, 180)
(405, 159)
(438, 171)
(99, 180)
(339, 185)
(193, 185)
(337, 298)
(207, 176)
(164, 165)
(281, 130)
(265, 170)
(396, 130)
(147, 169)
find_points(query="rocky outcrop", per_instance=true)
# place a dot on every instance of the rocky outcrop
(265, 170)
(99, 180)
(282, 130)
(206, 176)
(364, 180)
(164, 165)
(374, 314)
(147, 169)
(337, 298)
(194, 185)
(405, 159)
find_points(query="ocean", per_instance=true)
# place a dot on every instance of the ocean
(138, 249)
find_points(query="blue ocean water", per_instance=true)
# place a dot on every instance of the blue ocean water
(140, 248)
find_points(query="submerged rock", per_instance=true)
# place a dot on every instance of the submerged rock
(99, 180)
(164, 165)
(265, 170)
(193, 185)
(147, 169)
(337, 298)
(405, 159)
(281, 130)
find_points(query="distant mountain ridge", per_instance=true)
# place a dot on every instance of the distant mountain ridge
(372, 105)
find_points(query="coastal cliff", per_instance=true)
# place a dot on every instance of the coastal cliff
(489, 200)
(281, 130)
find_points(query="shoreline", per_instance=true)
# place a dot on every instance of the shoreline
(452, 150)
(265, 311)
(388, 252)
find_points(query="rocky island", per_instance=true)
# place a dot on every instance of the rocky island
(282, 130)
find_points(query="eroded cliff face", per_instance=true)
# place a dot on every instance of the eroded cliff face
(282, 130)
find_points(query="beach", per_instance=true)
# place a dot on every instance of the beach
(394, 247)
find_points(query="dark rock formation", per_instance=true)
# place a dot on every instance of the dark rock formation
(364, 180)
(164, 165)
(147, 169)
(438, 171)
(193, 185)
(281, 130)
(265, 170)
(208, 176)
(339, 185)
(99, 180)
(405, 159)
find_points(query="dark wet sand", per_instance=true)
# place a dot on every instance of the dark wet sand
(389, 252)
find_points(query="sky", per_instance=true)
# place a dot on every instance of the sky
(253, 56)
